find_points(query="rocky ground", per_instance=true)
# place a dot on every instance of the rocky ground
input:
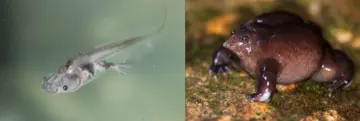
(223, 100)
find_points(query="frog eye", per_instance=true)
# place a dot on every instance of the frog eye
(245, 38)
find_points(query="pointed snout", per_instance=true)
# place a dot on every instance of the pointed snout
(229, 43)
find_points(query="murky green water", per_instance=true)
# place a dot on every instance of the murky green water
(39, 36)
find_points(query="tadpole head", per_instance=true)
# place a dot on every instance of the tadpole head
(49, 81)
(61, 82)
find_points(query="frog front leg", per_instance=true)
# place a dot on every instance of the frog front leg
(222, 61)
(267, 76)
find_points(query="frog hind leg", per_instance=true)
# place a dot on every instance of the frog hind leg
(337, 69)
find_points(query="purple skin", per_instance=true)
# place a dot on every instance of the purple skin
(277, 18)
(282, 51)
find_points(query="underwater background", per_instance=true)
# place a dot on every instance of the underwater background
(210, 22)
(38, 36)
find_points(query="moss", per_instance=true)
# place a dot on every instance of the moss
(213, 104)
(271, 107)
(258, 113)
(197, 92)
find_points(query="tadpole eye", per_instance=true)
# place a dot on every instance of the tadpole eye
(65, 87)
(245, 38)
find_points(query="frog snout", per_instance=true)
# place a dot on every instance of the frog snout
(229, 43)
(226, 45)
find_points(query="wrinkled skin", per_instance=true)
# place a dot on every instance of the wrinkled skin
(282, 48)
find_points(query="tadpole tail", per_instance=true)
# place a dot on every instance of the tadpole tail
(137, 39)
(111, 48)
